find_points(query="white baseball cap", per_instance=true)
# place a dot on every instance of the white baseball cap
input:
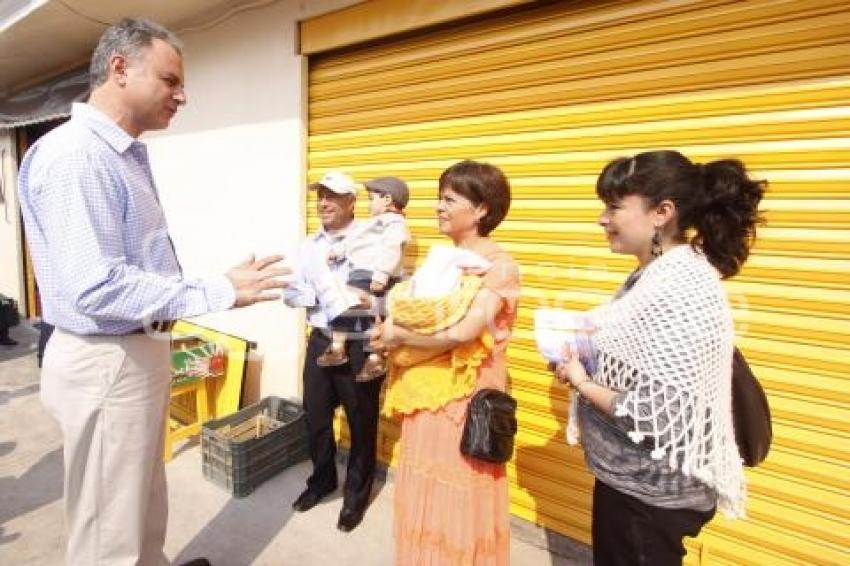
(338, 182)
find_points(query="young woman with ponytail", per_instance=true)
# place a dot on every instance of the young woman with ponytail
(655, 416)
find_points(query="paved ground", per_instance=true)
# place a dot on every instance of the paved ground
(204, 520)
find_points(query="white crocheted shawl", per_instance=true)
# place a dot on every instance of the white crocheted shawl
(668, 343)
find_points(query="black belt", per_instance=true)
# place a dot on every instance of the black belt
(155, 326)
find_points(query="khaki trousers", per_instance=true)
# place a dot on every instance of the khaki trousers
(110, 395)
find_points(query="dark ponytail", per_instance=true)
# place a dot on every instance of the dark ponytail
(727, 220)
(718, 200)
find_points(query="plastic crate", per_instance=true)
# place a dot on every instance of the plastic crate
(240, 466)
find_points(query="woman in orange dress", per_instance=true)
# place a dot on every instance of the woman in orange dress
(451, 509)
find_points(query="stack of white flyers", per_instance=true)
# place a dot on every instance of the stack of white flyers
(556, 328)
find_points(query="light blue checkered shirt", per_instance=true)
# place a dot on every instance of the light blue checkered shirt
(103, 258)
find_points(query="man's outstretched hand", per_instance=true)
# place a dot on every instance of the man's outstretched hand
(253, 279)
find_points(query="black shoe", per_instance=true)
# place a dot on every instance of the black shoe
(6, 341)
(307, 500)
(349, 518)
(197, 562)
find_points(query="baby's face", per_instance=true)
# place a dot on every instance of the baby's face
(378, 203)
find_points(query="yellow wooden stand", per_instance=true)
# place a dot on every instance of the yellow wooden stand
(175, 429)
(215, 396)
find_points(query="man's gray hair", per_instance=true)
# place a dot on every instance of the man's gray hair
(129, 37)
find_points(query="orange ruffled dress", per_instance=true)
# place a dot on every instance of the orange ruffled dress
(451, 509)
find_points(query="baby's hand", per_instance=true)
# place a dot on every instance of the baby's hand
(332, 257)
(473, 270)
(377, 286)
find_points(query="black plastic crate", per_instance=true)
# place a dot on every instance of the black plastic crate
(240, 466)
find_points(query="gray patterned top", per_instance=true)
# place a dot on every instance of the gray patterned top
(614, 459)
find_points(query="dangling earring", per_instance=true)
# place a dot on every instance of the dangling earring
(656, 249)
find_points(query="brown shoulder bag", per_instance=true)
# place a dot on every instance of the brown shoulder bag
(750, 413)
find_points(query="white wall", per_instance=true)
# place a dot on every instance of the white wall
(231, 169)
(11, 264)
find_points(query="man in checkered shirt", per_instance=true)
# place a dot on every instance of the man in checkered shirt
(111, 285)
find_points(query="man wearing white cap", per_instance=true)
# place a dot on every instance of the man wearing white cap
(325, 388)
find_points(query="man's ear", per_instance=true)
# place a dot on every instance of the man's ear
(118, 68)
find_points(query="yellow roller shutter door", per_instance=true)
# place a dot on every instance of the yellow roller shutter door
(550, 94)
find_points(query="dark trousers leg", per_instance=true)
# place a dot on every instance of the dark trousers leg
(325, 388)
(360, 402)
(320, 401)
(629, 532)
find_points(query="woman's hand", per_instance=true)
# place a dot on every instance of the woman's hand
(386, 336)
(571, 370)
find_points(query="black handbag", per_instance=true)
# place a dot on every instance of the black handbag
(490, 426)
(750, 413)
(9, 316)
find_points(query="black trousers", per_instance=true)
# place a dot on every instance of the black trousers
(627, 531)
(326, 388)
